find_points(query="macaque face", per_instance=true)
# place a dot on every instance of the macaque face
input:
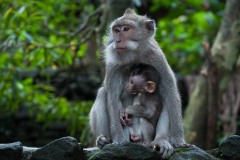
(123, 34)
(136, 84)
(126, 37)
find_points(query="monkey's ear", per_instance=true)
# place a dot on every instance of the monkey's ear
(150, 26)
(150, 86)
(129, 11)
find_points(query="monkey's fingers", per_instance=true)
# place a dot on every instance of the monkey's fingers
(100, 144)
(102, 141)
(123, 117)
(128, 121)
(123, 121)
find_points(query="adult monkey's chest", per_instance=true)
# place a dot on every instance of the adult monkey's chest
(125, 97)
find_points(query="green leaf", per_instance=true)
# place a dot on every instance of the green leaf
(8, 12)
(82, 50)
(21, 10)
(19, 85)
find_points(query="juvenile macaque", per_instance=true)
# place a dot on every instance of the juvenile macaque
(131, 41)
(141, 131)
(142, 116)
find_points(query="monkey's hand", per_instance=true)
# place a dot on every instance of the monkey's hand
(125, 118)
(128, 120)
(101, 141)
(164, 147)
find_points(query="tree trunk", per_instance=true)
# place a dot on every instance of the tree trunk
(196, 114)
(91, 60)
(116, 8)
(223, 88)
(226, 52)
(212, 114)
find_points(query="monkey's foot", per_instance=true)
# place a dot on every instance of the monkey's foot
(182, 145)
(164, 147)
(101, 141)
(146, 144)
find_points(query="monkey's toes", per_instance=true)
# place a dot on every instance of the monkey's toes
(164, 148)
(166, 151)
(102, 141)
(183, 145)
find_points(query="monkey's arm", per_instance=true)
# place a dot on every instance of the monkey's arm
(114, 84)
(169, 130)
(170, 96)
(139, 111)
(99, 119)
(171, 105)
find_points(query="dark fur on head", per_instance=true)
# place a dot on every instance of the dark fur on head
(148, 72)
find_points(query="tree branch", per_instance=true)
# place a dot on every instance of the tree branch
(82, 26)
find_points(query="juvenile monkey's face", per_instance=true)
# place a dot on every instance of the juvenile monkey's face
(136, 84)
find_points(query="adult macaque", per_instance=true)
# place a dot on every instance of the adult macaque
(131, 41)
(146, 106)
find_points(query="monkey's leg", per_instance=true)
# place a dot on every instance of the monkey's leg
(176, 128)
(126, 133)
(161, 139)
(99, 119)
(148, 131)
(172, 103)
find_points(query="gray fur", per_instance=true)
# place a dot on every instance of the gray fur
(104, 115)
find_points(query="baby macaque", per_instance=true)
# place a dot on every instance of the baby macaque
(142, 116)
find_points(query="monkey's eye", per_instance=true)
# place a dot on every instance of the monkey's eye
(116, 30)
(131, 81)
(125, 28)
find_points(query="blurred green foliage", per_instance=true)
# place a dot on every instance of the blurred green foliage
(36, 35)
(28, 42)
(184, 28)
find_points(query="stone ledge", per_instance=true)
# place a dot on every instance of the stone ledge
(68, 148)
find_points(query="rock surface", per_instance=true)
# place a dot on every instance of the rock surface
(130, 151)
(126, 151)
(230, 147)
(11, 151)
(28, 151)
(68, 148)
(191, 153)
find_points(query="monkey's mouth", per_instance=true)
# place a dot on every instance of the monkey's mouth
(134, 93)
(137, 92)
(119, 50)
